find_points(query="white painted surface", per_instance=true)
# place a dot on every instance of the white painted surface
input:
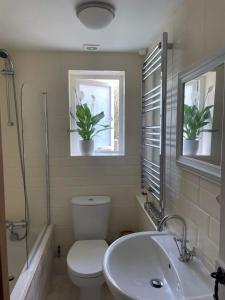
(54, 25)
(132, 261)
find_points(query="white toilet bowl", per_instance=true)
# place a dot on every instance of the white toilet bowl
(84, 262)
(90, 216)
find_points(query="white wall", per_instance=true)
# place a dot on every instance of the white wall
(196, 30)
(222, 215)
(117, 177)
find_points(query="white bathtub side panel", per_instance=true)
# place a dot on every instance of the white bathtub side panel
(40, 283)
(32, 283)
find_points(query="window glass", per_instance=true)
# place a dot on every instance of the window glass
(202, 116)
(102, 93)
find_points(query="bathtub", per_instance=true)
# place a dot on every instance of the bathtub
(17, 256)
(29, 277)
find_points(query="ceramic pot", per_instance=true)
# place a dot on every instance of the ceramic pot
(190, 147)
(87, 147)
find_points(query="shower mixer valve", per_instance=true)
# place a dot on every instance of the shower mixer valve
(14, 228)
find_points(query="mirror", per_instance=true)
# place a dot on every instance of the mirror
(200, 117)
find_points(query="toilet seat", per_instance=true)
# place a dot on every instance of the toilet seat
(85, 258)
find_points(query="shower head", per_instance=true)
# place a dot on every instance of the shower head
(8, 62)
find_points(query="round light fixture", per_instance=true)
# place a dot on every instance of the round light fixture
(96, 14)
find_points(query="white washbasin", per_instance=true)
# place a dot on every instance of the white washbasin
(132, 261)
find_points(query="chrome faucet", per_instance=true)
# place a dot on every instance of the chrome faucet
(13, 229)
(185, 254)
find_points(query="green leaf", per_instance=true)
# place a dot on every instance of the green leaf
(194, 120)
(105, 126)
(97, 118)
(100, 130)
(86, 122)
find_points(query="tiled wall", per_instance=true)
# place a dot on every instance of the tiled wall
(117, 177)
(34, 152)
(194, 31)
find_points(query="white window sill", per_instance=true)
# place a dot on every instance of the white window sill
(101, 154)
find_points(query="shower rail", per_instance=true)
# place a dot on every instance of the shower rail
(47, 165)
(154, 135)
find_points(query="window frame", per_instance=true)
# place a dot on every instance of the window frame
(101, 75)
(204, 169)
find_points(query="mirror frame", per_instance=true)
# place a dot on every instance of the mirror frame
(203, 169)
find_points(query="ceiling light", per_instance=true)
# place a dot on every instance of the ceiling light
(96, 14)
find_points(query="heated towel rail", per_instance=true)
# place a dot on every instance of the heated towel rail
(154, 95)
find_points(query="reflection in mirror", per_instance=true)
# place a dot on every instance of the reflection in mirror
(202, 116)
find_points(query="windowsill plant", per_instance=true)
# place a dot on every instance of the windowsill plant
(87, 127)
(193, 125)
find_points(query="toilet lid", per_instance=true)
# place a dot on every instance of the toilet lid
(85, 258)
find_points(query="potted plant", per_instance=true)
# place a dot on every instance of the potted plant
(87, 127)
(193, 124)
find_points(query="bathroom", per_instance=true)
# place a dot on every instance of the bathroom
(57, 192)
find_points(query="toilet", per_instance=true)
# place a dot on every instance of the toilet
(90, 216)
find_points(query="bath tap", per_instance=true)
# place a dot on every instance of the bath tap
(13, 226)
(185, 254)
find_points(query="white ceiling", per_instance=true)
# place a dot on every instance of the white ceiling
(52, 24)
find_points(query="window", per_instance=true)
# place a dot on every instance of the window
(102, 91)
(201, 93)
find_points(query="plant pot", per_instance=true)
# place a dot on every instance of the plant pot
(190, 147)
(87, 147)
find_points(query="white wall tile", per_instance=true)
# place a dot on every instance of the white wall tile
(214, 230)
(118, 177)
(193, 30)
(209, 203)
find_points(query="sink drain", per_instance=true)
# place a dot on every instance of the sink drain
(156, 283)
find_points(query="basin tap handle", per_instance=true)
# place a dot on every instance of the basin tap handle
(176, 240)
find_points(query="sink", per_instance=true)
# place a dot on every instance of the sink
(145, 266)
